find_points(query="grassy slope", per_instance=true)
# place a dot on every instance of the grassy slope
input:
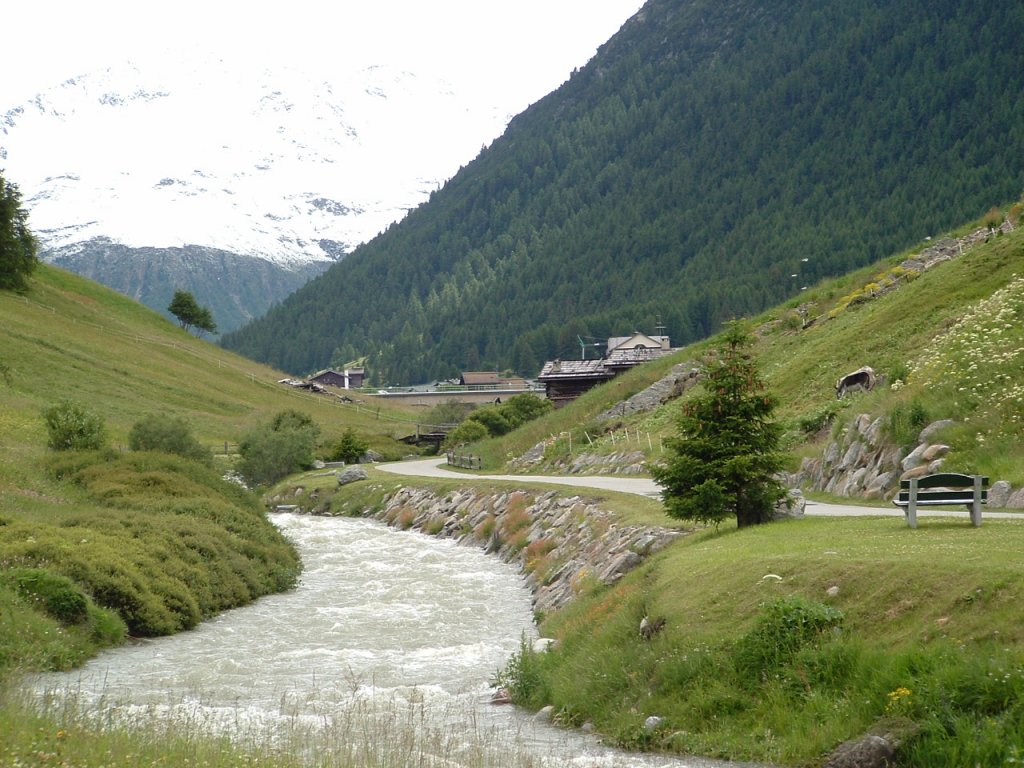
(69, 337)
(72, 338)
(892, 334)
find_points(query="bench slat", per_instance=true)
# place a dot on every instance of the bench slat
(945, 480)
(943, 497)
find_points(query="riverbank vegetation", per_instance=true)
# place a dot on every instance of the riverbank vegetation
(781, 641)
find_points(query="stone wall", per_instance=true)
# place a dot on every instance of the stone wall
(861, 464)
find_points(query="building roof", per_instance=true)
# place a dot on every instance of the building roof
(637, 340)
(574, 369)
(481, 377)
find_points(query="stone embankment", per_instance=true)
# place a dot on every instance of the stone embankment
(561, 543)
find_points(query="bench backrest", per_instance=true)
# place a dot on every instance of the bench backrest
(945, 480)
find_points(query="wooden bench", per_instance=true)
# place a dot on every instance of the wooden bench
(944, 489)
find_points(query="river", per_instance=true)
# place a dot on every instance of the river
(390, 641)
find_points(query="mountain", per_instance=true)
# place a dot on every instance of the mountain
(711, 160)
(235, 185)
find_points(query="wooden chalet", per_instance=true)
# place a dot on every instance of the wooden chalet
(350, 378)
(565, 380)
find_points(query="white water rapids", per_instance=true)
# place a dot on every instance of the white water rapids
(387, 630)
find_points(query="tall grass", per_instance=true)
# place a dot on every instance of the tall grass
(357, 732)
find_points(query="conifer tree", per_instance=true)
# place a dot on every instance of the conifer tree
(17, 243)
(726, 456)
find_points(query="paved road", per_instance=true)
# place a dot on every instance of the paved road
(644, 486)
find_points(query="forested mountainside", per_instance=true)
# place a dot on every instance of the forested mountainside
(708, 153)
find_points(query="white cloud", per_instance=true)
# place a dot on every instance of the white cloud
(517, 51)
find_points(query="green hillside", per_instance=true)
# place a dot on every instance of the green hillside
(951, 336)
(71, 337)
(706, 154)
(96, 544)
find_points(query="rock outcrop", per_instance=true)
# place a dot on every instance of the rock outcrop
(624, 461)
(862, 464)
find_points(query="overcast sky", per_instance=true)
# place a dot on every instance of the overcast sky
(520, 48)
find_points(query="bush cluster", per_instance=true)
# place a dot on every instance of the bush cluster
(170, 434)
(499, 419)
(163, 541)
(273, 451)
(70, 426)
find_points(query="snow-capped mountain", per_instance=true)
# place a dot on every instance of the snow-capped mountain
(134, 175)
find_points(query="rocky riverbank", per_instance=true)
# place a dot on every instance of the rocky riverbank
(562, 543)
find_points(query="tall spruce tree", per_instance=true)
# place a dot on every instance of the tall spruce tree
(17, 243)
(726, 456)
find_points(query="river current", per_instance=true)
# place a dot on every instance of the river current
(391, 637)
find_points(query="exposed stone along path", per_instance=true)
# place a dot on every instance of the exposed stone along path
(645, 486)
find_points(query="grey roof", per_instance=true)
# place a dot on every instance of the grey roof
(574, 369)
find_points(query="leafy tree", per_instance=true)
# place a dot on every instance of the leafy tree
(349, 448)
(469, 431)
(71, 427)
(204, 321)
(492, 419)
(271, 452)
(520, 409)
(17, 244)
(724, 461)
(189, 314)
(170, 434)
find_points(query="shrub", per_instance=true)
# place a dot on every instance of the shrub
(522, 676)
(272, 452)
(492, 419)
(349, 448)
(469, 431)
(71, 427)
(905, 422)
(56, 595)
(170, 434)
(784, 627)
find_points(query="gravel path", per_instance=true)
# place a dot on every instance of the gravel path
(643, 486)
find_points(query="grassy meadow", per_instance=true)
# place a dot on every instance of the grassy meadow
(778, 642)
(782, 641)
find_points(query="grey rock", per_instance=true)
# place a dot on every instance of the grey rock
(935, 451)
(936, 426)
(351, 475)
(915, 458)
(653, 723)
(1016, 500)
(791, 507)
(868, 751)
(999, 494)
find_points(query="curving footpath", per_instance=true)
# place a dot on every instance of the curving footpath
(645, 486)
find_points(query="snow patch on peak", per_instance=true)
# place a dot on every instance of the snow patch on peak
(268, 163)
